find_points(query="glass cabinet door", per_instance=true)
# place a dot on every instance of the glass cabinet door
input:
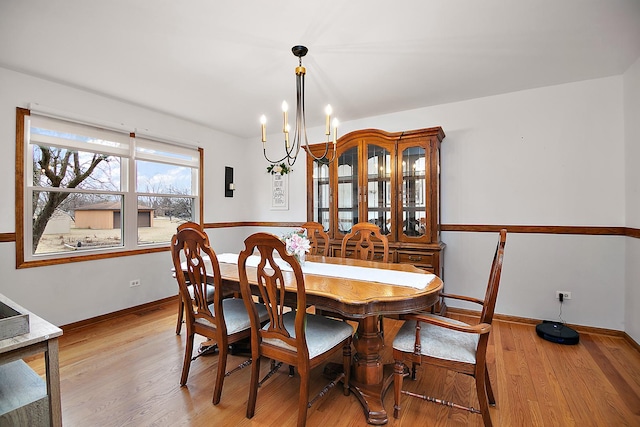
(321, 193)
(347, 192)
(378, 188)
(414, 192)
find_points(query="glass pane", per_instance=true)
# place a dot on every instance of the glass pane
(159, 216)
(379, 187)
(321, 193)
(413, 192)
(152, 177)
(60, 167)
(347, 190)
(65, 222)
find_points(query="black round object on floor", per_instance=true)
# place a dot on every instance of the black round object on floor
(557, 332)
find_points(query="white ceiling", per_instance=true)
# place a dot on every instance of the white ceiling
(224, 63)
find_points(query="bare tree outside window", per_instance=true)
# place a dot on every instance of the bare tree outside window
(57, 168)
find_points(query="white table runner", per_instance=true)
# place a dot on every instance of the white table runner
(391, 277)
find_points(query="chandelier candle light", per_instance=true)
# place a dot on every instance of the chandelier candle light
(292, 149)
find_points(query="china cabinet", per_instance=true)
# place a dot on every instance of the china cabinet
(389, 179)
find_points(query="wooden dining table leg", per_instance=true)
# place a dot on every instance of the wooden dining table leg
(369, 380)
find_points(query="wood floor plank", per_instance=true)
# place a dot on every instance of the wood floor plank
(548, 396)
(125, 372)
(574, 370)
(611, 376)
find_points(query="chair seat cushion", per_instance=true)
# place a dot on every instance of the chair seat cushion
(437, 341)
(322, 333)
(235, 315)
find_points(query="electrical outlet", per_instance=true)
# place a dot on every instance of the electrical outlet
(565, 295)
(134, 283)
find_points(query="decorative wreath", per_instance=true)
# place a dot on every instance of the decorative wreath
(282, 169)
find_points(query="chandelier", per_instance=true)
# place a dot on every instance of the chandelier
(291, 149)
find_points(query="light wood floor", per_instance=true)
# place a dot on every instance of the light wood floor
(125, 372)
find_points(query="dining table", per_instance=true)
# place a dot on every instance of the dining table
(361, 291)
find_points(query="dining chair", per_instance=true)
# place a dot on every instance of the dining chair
(318, 238)
(369, 243)
(451, 344)
(294, 337)
(224, 320)
(367, 238)
(195, 225)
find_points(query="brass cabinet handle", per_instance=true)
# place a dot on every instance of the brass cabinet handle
(415, 258)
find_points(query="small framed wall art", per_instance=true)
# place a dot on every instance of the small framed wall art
(279, 192)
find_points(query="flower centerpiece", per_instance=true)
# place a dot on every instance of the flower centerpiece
(297, 244)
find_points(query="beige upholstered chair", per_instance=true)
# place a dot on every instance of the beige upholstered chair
(451, 344)
(294, 337)
(225, 320)
(318, 238)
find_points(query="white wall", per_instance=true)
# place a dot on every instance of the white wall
(549, 156)
(632, 157)
(68, 293)
(261, 180)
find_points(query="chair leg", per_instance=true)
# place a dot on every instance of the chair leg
(223, 348)
(481, 389)
(180, 316)
(346, 359)
(253, 387)
(303, 398)
(491, 398)
(188, 350)
(398, 374)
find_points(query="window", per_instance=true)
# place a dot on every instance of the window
(90, 192)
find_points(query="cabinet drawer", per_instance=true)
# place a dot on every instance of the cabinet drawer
(420, 259)
(349, 253)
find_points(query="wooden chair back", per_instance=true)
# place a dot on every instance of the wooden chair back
(271, 290)
(189, 245)
(194, 225)
(318, 238)
(491, 294)
(190, 224)
(367, 237)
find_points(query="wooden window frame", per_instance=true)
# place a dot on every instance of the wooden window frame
(54, 259)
